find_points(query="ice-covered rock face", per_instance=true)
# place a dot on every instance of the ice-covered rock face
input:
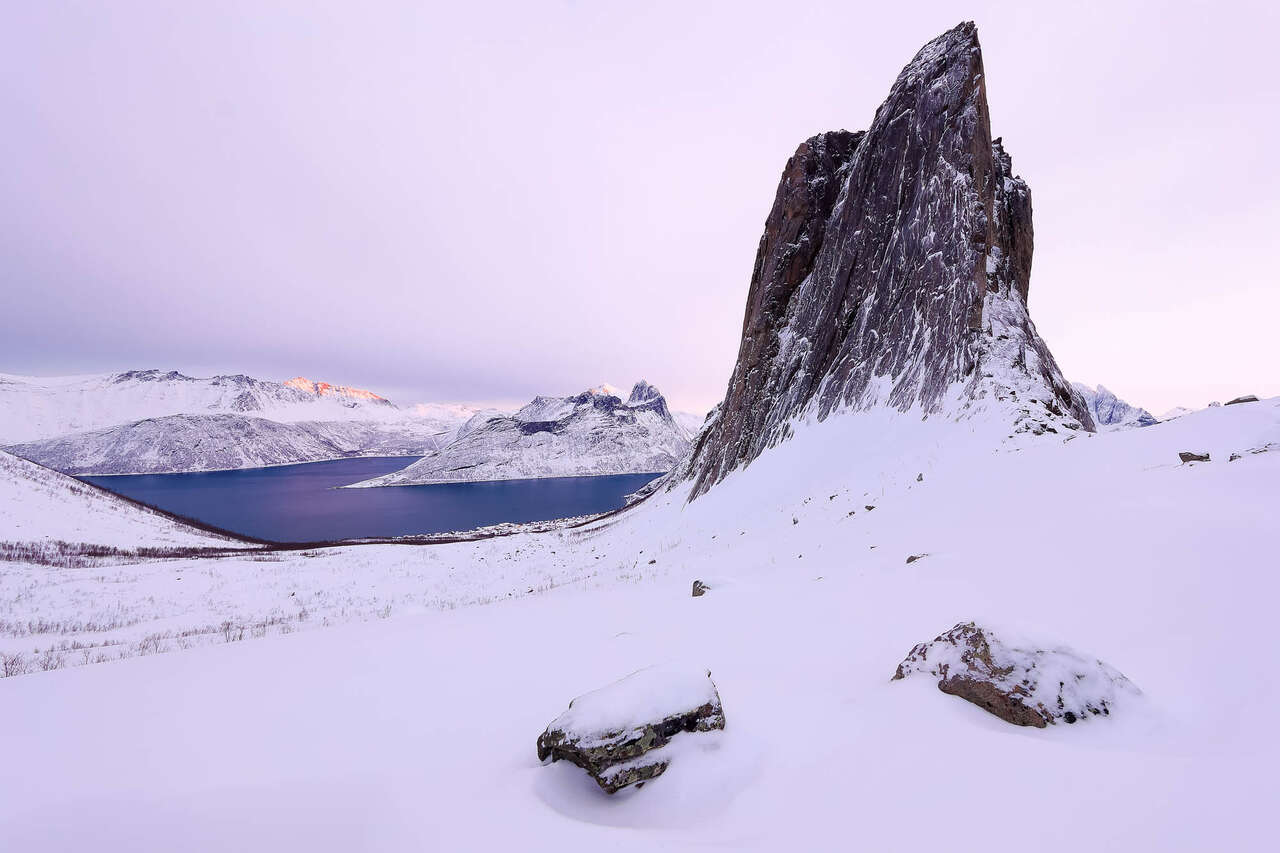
(1023, 686)
(1110, 412)
(617, 733)
(894, 270)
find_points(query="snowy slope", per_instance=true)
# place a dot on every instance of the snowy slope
(812, 606)
(592, 433)
(39, 505)
(1110, 412)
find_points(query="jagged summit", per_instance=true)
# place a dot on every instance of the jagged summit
(324, 389)
(643, 392)
(1109, 412)
(893, 271)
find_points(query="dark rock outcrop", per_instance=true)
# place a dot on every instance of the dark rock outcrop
(699, 589)
(1247, 398)
(616, 733)
(1188, 456)
(1026, 687)
(893, 270)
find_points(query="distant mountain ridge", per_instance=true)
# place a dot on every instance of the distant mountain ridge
(223, 441)
(1110, 412)
(588, 434)
(153, 421)
(324, 389)
(33, 408)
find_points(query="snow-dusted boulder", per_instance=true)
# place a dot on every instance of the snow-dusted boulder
(1023, 686)
(617, 733)
(1247, 398)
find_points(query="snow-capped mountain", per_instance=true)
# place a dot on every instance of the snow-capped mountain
(343, 392)
(1110, 412)
(223, 441)
(149, 421)
(894, 271)
(42, 407)
(588, 434)
(1176, 412)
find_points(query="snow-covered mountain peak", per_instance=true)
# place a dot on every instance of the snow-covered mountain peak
(324, 389)
(893, 272)
(1110, 412)
(604, 389)
(642, 392)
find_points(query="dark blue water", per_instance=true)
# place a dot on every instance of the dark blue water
(299, 503)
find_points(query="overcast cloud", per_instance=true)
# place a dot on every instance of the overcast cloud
(509, 199)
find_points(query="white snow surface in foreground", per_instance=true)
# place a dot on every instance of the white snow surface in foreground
(417, 731)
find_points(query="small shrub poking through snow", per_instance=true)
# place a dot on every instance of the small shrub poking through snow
(1026, 687)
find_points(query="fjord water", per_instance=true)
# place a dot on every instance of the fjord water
(302, 503)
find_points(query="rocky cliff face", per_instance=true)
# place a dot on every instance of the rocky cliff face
(894, 270)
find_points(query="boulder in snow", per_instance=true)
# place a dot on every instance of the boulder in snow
(617, 733)
(1023, 686)
(1188, 456)
(699, 588)
(1247, 398)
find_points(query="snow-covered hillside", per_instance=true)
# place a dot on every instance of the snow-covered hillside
(812, 606)
(39, 507)
(588, 434)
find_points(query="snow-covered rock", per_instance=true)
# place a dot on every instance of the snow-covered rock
(588, 434)
(617, 733)
(1026, 686)
(893, 272)
(1110, 412)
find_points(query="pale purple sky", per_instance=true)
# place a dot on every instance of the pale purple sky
(490, 202)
